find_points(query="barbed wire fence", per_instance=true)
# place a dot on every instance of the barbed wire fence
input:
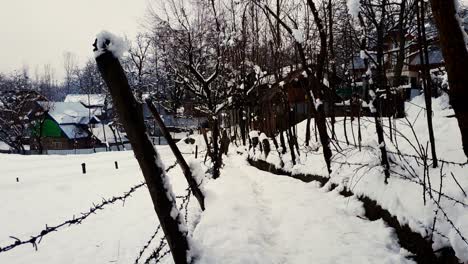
(37, 238)
(405, 170)
(160, 251)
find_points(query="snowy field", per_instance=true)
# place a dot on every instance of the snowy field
(360, 171)
(251, 216)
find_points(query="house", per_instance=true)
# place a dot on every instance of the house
(411, 75)
(64, 125)
(185, 118)
(99, 105)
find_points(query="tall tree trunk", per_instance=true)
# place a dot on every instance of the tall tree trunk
(164, 200)
(424, 59)
(398, 68)
(332, 63)
(456, 61)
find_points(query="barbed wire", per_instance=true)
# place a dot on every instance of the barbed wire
(409, 155)
(36, 239)
(156, 254)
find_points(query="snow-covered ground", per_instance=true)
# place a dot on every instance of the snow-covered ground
(360, 171)
(256, 217)
(251, 216)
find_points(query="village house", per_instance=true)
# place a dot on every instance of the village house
(64, 125)
(411, 75)
(184, 118)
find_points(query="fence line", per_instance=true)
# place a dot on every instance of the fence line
(36, 239)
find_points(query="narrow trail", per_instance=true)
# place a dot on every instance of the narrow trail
(282, 220)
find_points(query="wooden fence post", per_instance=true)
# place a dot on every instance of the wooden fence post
(131, 116)
(180, 159)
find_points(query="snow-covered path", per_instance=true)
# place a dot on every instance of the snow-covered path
(255, 217)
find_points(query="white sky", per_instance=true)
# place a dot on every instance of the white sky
(37, 32)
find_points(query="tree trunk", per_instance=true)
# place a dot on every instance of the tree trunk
(216, 152)
(180, 159)
(164, 200)
(423, 56)
(456, 61)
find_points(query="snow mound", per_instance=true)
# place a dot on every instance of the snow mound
(254, 134)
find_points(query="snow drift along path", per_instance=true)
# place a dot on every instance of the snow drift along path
(256, 217)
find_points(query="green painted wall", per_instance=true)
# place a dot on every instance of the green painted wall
(49, 129)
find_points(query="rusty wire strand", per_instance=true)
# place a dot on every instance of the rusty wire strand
(36, 239)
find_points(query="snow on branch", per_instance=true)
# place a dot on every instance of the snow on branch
(353, 7)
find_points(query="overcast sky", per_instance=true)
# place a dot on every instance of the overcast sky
(37, 32)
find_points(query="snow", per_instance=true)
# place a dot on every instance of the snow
(297, 35)
(117, 45)
(86, 99)
(251, 216)
(4, 146)
(67, 113)
(318, 103)
(353, 7)
(105, 134)
(262, 137)
(360, 171)
(286, 221)
(254, 134)
(73, 131)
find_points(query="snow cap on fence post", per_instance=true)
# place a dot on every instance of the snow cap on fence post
(106, 41)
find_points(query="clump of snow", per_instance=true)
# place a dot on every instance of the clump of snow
(353, 7)
(197, 172)
(254, 134)
(318, 103)
(106, 41)
(297, 34)
(262, 137)
(363, 54)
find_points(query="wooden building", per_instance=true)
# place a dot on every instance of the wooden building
(64, 126)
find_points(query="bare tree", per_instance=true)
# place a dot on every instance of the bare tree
(70, 66)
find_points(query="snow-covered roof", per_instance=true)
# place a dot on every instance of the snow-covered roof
(4, 146)
(86, 99)
(68, 113)
(99, 133)
(74, 131)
